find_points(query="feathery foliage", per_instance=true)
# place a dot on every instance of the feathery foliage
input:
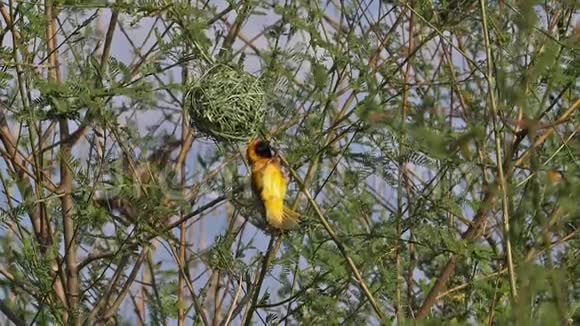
(434, 146)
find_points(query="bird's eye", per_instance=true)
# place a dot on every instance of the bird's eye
(263, 149)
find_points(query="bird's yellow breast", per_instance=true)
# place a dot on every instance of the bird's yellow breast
(270, 185)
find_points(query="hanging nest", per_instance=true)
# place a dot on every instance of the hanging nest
(227, 104)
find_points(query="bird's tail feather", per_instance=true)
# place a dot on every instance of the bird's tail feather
(290, 218)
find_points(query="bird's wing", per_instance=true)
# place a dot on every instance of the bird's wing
(257, 191)
(285, 172)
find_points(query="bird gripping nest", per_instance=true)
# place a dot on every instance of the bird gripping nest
(227, 104)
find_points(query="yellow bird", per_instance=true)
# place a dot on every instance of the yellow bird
(269, 186)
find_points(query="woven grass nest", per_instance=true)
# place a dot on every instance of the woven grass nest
(227, 104)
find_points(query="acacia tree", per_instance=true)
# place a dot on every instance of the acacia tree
(432, 147)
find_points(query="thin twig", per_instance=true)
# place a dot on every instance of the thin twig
(186, 141)
(498, 148)
(126, 286)
(401, 175)
(66, 177)
(234, 301)
(360, 280)
(272, 249)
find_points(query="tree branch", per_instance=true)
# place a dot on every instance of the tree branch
(11, 315)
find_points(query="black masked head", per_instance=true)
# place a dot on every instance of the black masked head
(264, 150)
